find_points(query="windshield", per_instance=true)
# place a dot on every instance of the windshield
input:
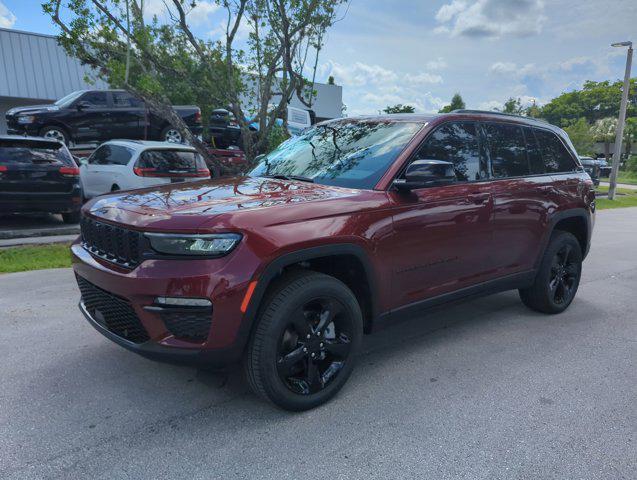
(70, 98)
(345, 154)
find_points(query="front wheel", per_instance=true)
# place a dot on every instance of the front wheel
(55, 133)
(559, 275)
(306, 340)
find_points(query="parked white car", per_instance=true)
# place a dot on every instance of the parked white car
(129, 164)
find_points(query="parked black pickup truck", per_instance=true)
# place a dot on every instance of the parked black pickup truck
(89, 116)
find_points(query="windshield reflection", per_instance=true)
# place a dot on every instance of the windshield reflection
(343, 153)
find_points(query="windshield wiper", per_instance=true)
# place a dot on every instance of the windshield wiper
(291, 177)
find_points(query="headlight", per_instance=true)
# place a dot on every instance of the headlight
(26, 119)
(213, 245)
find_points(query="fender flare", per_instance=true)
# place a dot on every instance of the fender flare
(273, 269)
(581, 213)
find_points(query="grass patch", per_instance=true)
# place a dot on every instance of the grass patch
(625, 177)
(37, 257)
(625, 198)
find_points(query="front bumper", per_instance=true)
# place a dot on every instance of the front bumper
(217, 279)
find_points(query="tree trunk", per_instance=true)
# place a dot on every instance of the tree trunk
(606, 150)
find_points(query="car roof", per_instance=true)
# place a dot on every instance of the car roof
(49, 141)
(147, 144)
(463, 113)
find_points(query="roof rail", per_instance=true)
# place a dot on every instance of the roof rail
(495, 112)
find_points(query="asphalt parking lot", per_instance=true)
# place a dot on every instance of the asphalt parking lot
(481, 390)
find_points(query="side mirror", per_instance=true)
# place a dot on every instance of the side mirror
(82, 106)
(80, 160)
(426, 173)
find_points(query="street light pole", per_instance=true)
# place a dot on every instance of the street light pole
(619, 135)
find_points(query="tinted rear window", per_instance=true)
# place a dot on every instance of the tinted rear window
(508, 150)
(556, 157)
(25, 152)
(171, 160)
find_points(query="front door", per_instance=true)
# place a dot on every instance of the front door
(128, 116)
(90, 118)
(442, 235)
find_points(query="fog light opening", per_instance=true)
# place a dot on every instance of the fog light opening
(183, 302)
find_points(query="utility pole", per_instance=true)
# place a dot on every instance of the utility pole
(128, 43)
(619, 134)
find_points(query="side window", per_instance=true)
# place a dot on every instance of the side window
(110, 155)
(536, 163)
(457, 143)
(95, 99)
(99, 155)
(119, 155)
(125, 99)
(507, 149)
(556, 157)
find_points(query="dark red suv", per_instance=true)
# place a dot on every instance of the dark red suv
(356, 222)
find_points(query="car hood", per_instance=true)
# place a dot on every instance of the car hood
(32, 109)
(189, 206)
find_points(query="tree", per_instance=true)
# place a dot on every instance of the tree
(330, 80)
(457, 103)
(399, 108)
(580, 134)
(513, 106)
(603, 130)
(255, 78)
(595, 101)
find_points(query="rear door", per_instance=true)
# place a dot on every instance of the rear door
(443, 235)
(523, 196)
(35, 167)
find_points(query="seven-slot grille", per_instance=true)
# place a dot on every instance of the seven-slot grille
(112, 312)
(115, 244)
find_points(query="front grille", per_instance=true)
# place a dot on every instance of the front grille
(115, 244)
(191, 326)
(112, 312)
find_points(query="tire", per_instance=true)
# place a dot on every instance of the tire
(72, 217)
(55, 133)
(559, 275)
(305, 342)
(171, 134)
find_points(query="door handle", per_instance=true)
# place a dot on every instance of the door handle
(546, 189)
(478, 198)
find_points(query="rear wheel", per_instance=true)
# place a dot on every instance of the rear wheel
(559, 275)
(55, 133)
(171, 134)
(306, 340)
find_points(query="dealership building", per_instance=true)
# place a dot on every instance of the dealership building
(34, 69)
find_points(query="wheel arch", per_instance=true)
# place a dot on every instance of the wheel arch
(576, 221)
(344, 261)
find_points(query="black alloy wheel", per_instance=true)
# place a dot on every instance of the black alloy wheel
(558, 276)
(564, 275)
(305, 342)
(314, 346)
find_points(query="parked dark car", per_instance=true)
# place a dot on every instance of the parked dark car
(604, 168)
(224, 128)
(38, 175)
(89, 116)
(351, 224)
(592, 166)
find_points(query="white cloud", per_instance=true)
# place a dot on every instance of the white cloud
(199, 15)
(7, 18)
(510, 68)
(422, 77)
(358, 74)
(491, 18)
(437, 64)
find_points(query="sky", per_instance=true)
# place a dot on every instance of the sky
(420, 53)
